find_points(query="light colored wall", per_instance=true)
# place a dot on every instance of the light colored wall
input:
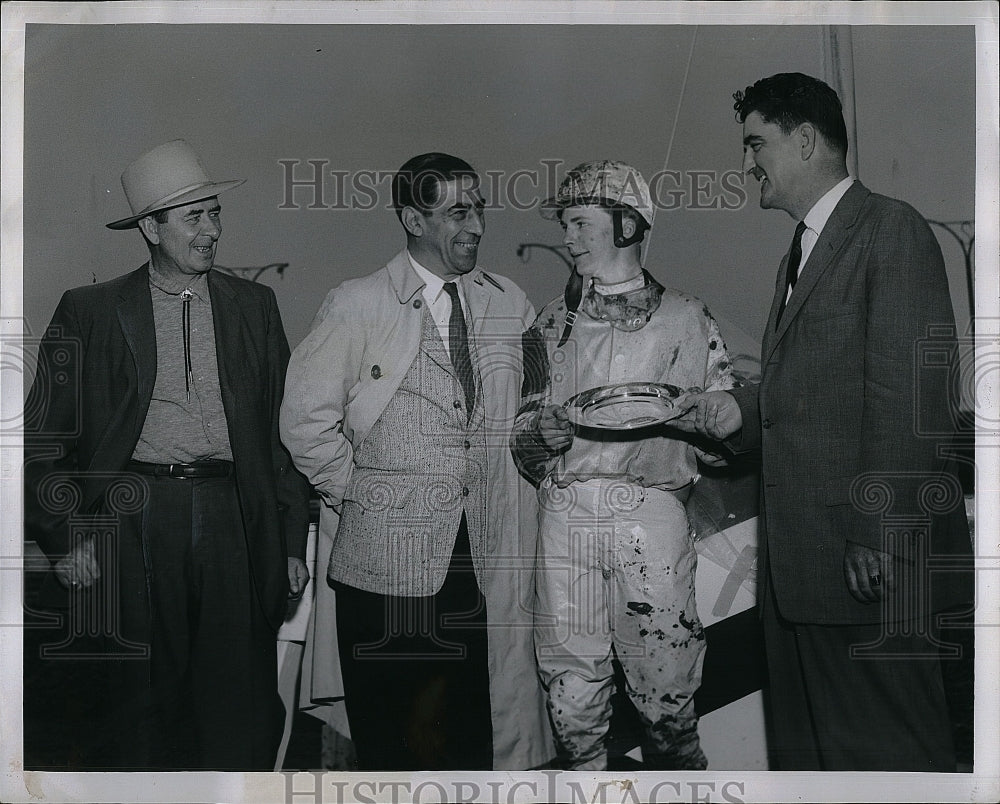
(503, 97)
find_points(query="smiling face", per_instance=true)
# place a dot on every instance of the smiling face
(775, 160)
(588, 233)
(445, 240)
(184, 243)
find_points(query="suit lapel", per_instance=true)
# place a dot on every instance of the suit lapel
(476, 297)
(479, 295)
(779, 288)
(135, 316)
(431, 343)
(835, 233)
(407, 285)
(231, 347)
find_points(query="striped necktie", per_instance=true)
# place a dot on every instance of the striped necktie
(458, 345)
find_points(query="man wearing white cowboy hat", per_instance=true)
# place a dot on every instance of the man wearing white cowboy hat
(616, 559)
(181, 376)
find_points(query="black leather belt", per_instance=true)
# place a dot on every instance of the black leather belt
(198, 469)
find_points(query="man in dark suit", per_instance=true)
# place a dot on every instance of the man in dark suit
(186, 526)
(857, 499)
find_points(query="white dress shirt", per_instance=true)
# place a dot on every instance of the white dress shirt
(817, 217)
(438, 302)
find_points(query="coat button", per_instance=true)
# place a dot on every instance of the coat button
(766, 424)
(465, 491)
(376, 372)
(417, 304)
(456, 404)
(466, 444)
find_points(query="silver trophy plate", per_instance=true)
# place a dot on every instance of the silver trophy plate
(627, 406)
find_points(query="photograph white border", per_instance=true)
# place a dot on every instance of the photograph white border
(982, 785)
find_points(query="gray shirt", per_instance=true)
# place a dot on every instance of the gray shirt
(184, 423)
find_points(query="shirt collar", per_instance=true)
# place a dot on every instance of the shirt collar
(617, 288)
(174, 284)
(821, 211)
(433, 284)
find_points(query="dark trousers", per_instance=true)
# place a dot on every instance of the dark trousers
(831, 710)
(416, 677)
(206, 695)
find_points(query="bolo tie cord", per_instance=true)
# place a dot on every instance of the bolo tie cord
(186, 325)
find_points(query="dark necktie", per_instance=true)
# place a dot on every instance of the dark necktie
(458, 345)
(792, 271)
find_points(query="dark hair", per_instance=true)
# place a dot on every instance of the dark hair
(418, 182)
(160, 216)
(790, 99)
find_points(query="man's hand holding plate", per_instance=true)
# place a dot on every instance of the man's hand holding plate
(555, 428)
(714, 414)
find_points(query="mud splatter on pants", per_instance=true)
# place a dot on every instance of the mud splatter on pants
(616, 568)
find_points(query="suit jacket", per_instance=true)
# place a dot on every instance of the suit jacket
(88, 403)
(340, 379)
(851, 418)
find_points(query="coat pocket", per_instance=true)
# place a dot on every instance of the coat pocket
(379, 491)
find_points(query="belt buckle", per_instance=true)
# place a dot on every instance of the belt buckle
(170, 470)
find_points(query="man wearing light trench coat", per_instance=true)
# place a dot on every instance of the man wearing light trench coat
(375, 415)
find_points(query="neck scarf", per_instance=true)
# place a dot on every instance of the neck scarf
(628, 311)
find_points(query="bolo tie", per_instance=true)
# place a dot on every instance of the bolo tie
(186, 295)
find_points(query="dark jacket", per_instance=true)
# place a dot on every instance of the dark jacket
(88, 403)
(851, 416)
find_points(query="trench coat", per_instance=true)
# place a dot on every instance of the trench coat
(340, 378)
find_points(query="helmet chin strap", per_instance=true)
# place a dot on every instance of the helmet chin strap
(574, 287)
(620, 240)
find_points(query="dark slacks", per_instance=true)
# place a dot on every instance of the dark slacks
(416, 678)
(206, 695)
(831, 710)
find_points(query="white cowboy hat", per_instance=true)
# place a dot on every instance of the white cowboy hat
(170, 175)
